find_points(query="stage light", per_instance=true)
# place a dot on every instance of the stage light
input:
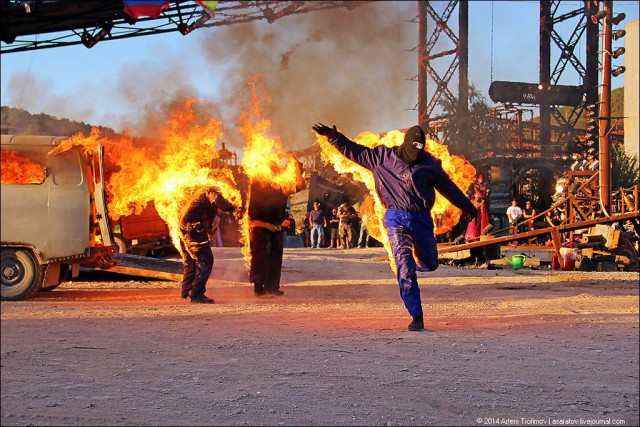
(619, 34)
(90, 41)
(618, 52)
(598, 16)
(618, 18)
(591, 125)
(618, 71)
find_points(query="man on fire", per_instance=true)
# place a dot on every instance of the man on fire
(266, 208)
(406, 178)
(197, 259)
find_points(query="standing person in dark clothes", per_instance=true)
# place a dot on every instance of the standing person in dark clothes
(333, 228)
(406, 178)
(267, 206)
(197, 259)
(347, 216)
(317, 221)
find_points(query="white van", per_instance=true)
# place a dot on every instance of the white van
(54, 214)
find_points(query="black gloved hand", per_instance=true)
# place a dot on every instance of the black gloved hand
(470, 216)
(325, 130)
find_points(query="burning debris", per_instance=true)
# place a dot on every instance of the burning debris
(136, 175)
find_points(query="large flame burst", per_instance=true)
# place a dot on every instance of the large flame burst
(445, 215)
(264, 159)
(167, 174)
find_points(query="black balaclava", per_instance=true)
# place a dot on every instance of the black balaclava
(412, 149)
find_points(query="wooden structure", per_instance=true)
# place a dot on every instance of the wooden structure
(582, 211)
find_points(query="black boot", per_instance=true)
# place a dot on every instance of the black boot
(202, 299)
(258, 289)
(417, 324)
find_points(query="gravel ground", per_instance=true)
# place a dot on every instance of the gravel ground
(502, 347)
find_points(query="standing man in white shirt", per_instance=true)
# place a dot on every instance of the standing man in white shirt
(514, 215)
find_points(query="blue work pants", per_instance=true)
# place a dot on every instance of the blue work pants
(414, 248)
(317, 233)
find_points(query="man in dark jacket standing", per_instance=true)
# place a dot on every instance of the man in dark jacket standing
(266, 208)
(197, 259)
(406, 178)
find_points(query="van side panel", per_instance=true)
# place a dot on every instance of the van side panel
(53, 217)
(24, 218)
(69, 206)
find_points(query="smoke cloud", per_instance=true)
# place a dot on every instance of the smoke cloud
(348, 68)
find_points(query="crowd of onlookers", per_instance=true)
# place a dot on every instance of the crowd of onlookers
(342, 227)
(339, 227)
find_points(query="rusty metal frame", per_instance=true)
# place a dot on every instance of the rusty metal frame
(103, 20)
(427, 17)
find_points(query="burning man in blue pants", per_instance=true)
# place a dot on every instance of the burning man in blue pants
(406, 178)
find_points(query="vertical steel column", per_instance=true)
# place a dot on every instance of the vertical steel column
(591, 69)
(546, 27)
(423, 117)
(463, 56)
(604, 115)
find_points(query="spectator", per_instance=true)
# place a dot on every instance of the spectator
(334, 221)
(307, 230)
(214, 235)
(347, 217)
(528, 213)
(514, 215)
(317, 222)
(554, 217)
(363, 240)
(473, 228)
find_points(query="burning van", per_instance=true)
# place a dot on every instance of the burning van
(54, 214)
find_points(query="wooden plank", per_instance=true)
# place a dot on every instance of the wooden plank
(528, 262)
(154, 268)
(445, 248)
(142, 272)
(464, 254)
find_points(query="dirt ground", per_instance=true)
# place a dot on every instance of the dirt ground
(502, 347)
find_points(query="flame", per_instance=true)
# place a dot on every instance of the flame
(16, 168)
(167, 174)
(445, 215)
(264, 159)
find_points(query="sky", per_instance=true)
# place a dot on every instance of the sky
(352, 68)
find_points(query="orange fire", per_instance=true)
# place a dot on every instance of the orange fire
(264, 159)
(16, 168)
(167, 173)
(445, 215)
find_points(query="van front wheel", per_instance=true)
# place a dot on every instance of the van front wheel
(21, 274)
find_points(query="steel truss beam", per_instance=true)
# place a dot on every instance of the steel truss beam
(56, 23)
(428, 17)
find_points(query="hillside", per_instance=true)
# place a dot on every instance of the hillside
(617, 109)
(19, 121)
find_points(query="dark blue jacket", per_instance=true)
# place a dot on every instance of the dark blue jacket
(401, 186)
